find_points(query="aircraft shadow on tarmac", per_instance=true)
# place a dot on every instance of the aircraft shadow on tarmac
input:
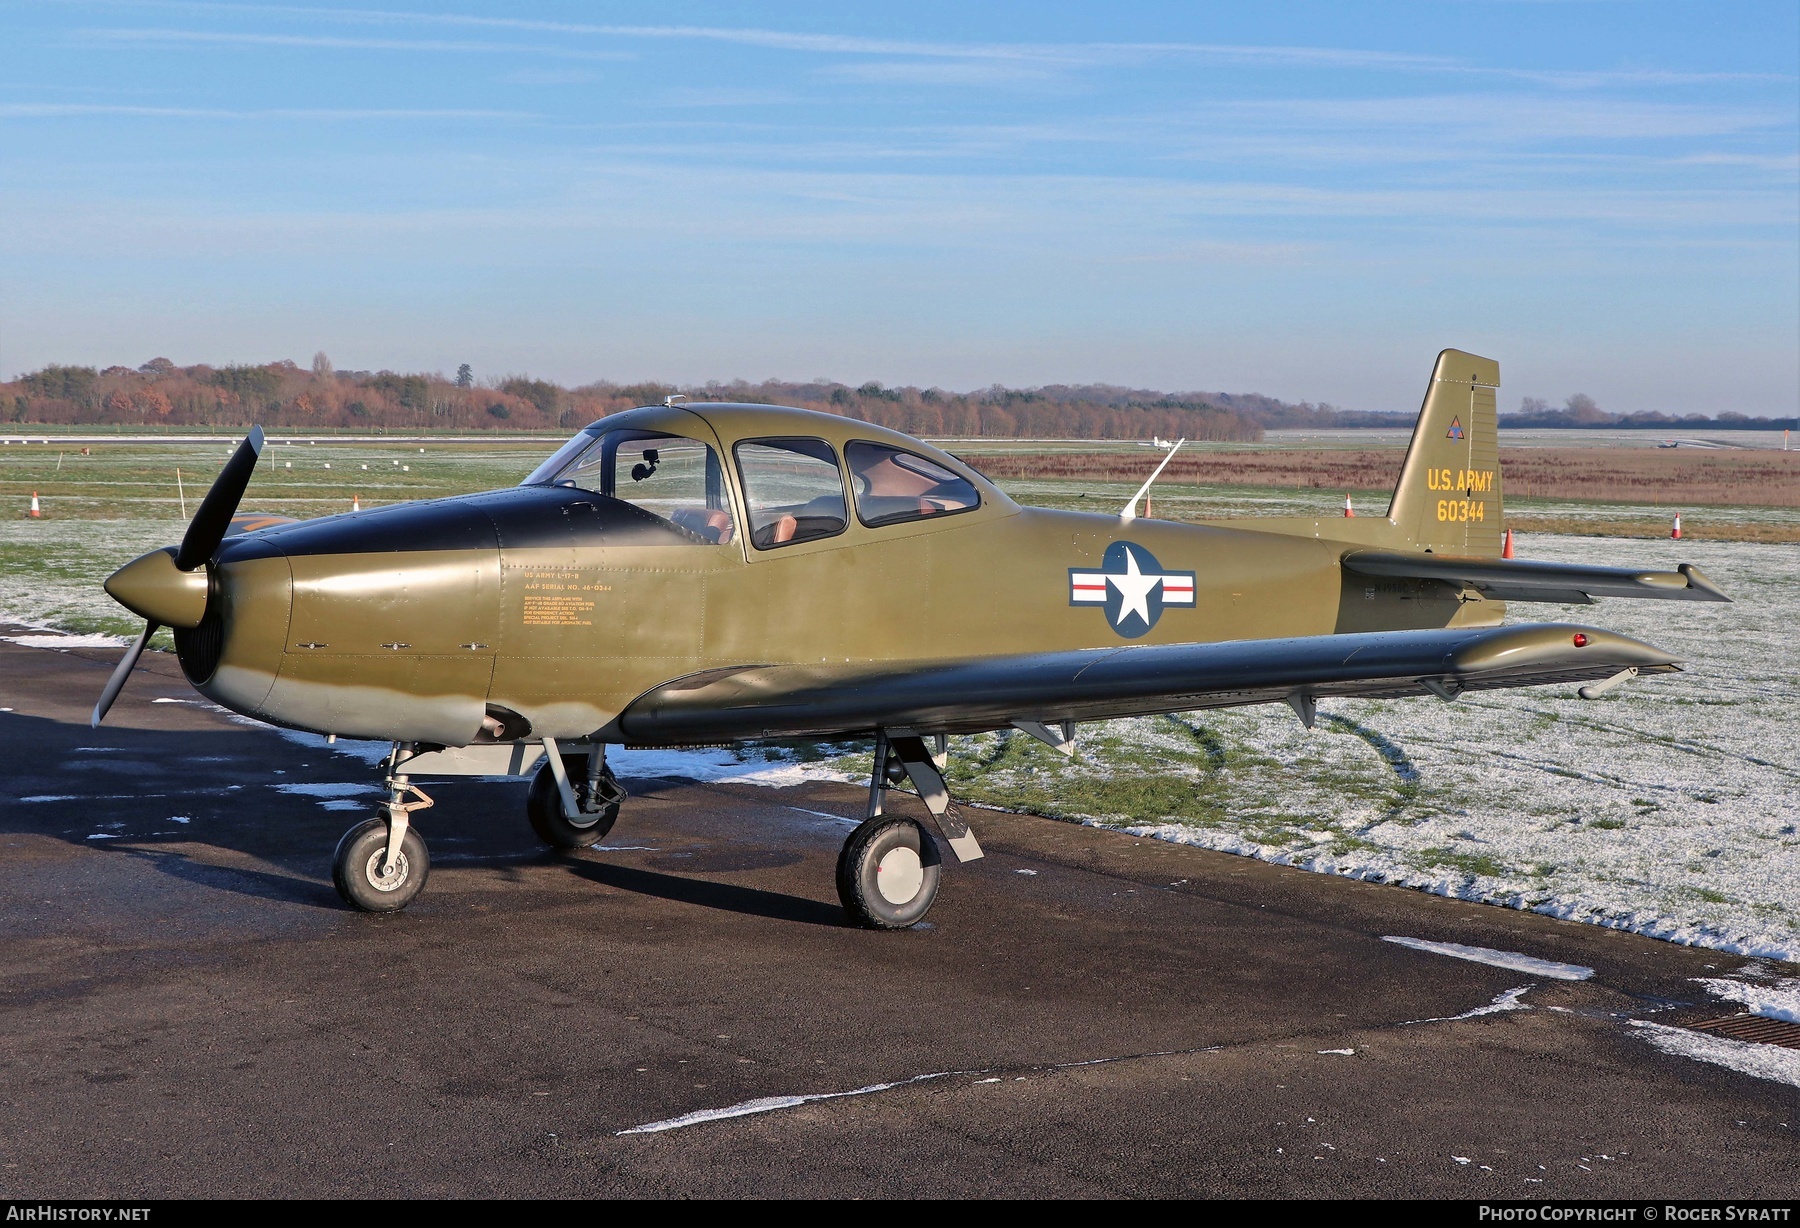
(239, 880)
(110, 790)
(726, 897)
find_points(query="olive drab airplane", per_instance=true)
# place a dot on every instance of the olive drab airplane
(706, 574)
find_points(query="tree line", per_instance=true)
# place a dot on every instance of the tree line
(1581, 410)
(286, 396)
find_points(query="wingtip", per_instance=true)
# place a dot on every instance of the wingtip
(1698, 582)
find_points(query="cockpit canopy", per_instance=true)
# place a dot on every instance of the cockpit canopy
(794, 487)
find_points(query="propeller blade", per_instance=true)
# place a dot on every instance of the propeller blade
(116, 683)
(213, 520)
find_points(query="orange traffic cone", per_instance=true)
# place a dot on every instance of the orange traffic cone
(1348, 510)
(356, 503)
(1506, 547)
(1676, 532)
(35, 513)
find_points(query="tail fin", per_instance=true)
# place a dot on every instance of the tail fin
(1448, 497)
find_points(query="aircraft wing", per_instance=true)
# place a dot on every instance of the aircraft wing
(1523, 580)
(775, 701)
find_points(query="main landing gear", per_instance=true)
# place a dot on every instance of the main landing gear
(574, 799)
(887, 874)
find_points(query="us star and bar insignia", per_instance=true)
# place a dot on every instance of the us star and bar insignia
(1132, 586)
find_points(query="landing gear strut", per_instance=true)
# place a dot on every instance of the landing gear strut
(887, 874)
(381, 864)
(574, 799)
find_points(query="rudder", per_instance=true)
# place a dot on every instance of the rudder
(1448, 497)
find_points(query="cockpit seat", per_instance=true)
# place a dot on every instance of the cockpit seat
(710, 524)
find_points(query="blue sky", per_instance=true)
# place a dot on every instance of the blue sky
(1307, 200)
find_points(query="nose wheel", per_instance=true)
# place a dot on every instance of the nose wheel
(381, 864)
(368, 878)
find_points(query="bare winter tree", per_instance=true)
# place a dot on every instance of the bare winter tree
(321, 367)
(1533, 405)
(1583, 410)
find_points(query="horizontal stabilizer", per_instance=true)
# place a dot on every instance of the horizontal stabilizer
(1522, 580)
(251, 522)
(767, 701)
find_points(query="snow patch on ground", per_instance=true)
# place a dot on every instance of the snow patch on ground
(67, 641)
(346, 789)
(717, 765)
(1511, 1000)
(1759, 1061)
(1510, 960)
(1780, 1000)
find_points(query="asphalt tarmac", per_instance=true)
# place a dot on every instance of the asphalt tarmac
(188, 1010)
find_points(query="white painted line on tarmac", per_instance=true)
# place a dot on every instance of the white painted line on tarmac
(1510, 960)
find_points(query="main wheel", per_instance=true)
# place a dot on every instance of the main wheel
(887, 875)
(357, 868)
(543, 806)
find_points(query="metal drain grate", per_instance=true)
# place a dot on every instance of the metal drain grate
(1753, 1028)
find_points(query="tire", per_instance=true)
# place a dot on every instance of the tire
(356, 868)
(543, 806)
(884, 858)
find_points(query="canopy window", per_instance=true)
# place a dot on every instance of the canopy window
(792, 489)
(894, 486)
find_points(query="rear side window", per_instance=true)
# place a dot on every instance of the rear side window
(793, 491)
(893, 486)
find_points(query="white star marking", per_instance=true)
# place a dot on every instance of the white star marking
(1134, 590)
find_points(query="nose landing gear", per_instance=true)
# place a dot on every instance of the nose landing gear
(382, 863)
(368, 878)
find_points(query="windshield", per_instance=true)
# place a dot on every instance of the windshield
(549, 469)
(671, 476)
